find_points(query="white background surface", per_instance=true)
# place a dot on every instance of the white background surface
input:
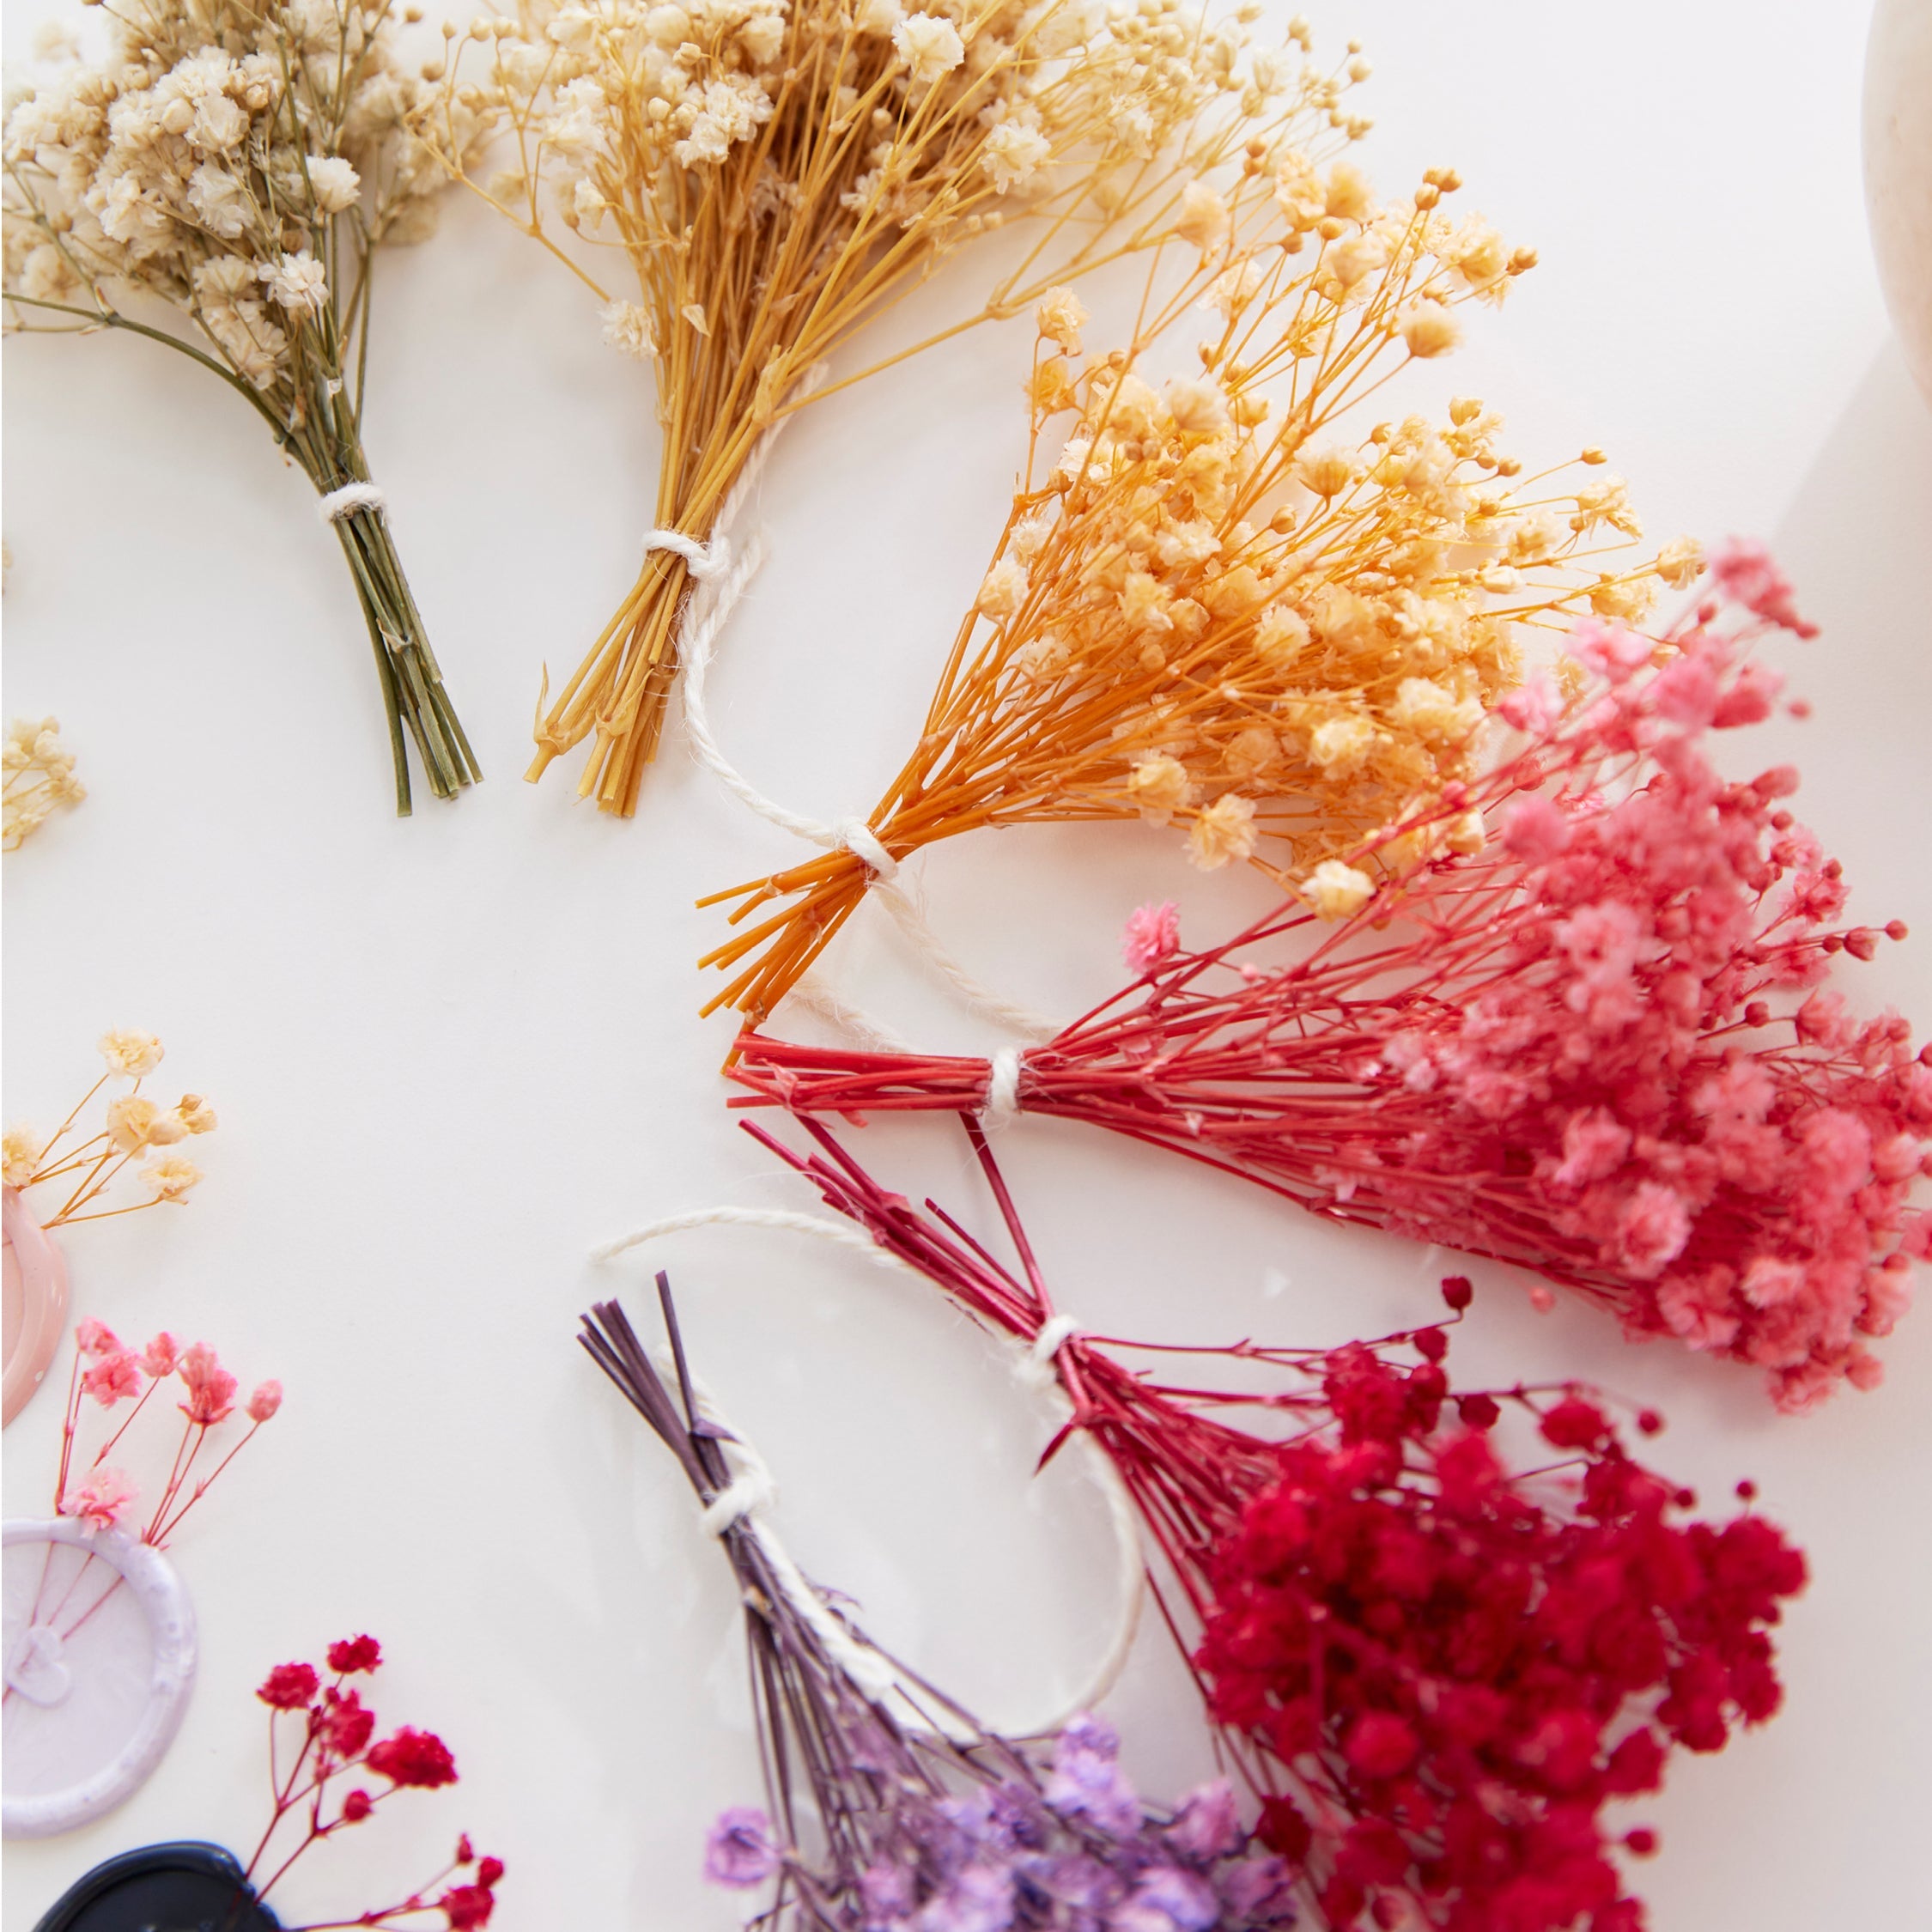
(451, 1054)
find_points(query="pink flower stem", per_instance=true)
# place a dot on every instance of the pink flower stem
(101, 1453)
(70, 1424)
(202, 1488)
(192, 1431)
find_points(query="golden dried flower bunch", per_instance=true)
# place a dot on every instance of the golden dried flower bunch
(1213, 609)
(239, 166)
(133, 1128)
(776, 172)
(39, 775)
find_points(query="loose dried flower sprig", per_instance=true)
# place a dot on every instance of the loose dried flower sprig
(1598, 1047)
(337, 1733)
(99, 1495)
(777, 175)
(1216, 607)
(890, 1808)
(220, 183)
(132, 1126)
(1433, 1670)
(39, 775)
(109, 1373)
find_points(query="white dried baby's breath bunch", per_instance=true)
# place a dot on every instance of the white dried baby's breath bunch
(773, 173)
(220, 183)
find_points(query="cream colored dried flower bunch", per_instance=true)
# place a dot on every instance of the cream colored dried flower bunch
(133, 1128)
(39, 775)
(220, 183)
(1216, 606)
(776, 172)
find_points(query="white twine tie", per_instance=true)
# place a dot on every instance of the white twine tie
(1038, 1368)
(744, 1500)
(1032, 1366)
(722, 581)
(351, 498)
(1002, 1088)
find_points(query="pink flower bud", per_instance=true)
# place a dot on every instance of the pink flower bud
(264, 1401)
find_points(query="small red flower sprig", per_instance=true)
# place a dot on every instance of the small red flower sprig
(1434, 1670)
(338, 1741)
(107, 1373)
(1596, 1042)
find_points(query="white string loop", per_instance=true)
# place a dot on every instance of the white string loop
(722, 583)
(351, 498)
(744, 1500)
(811, 993)
(1028, 1362)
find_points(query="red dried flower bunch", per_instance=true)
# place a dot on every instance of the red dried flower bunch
(1459, 1667)
(1435, 1670)
(338, 1741)
(1598, 1046)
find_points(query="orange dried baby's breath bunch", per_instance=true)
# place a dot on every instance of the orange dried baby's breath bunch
(776, 173)
(1212, 610)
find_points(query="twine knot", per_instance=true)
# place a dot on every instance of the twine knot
(351, 498)
(705, 562)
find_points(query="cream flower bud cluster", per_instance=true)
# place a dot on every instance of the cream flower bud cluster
(132, 1126)
(204, 161)
(937, 112)
(39, 776)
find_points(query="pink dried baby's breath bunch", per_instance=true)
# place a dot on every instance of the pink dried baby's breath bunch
(1601, 1046)
(1433, 1666)
(136, 1132)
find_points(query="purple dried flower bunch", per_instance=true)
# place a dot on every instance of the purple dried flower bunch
(887, 1805)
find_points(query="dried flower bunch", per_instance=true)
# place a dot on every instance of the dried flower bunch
(891, 1810)
(220, 183)
(39, 775)
(132, 1126)
(109, 1373)
(776, 175)
(1599, 1047)
(1434, 1671)
(339, 1740)
(1215, 606)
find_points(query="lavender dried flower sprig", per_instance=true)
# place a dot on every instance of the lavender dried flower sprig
(889, 1806)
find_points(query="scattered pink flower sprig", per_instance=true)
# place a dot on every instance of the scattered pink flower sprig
(101, 1496)
(337, 1741)
(1599, 1047)
(107, 1374)
(1440, 1630)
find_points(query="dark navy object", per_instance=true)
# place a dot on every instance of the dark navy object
(162, 1888)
